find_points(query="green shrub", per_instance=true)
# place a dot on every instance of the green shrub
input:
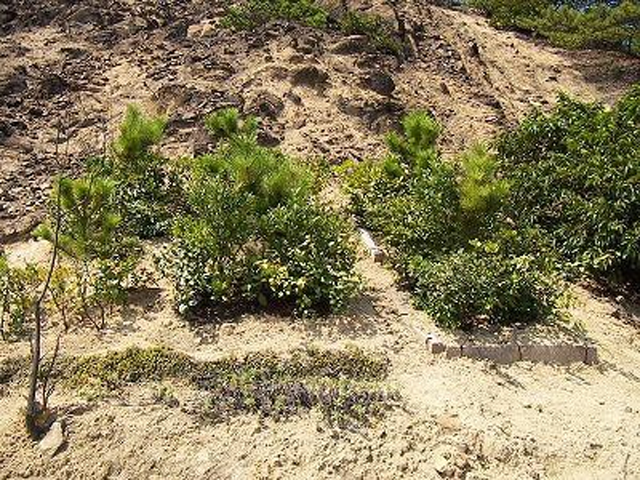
(595, 24)
(484, 285)
(255, 231)
(148, 187)
(90, 237)
(378, 31)
(482, 192)
(411, 196)
(574, 174)
(18, 296)
(512, 13)
(449, 236)
(253, 13)
(228, 125)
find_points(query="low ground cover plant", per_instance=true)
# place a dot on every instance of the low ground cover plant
(592, 24)
(345, 385)
(255, 230)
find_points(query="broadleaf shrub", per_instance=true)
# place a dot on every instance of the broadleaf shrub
(256, 231)
(575, 174)
(445, 224)
(483, 285)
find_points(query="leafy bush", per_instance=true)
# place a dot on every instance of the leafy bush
(449, 236)
(574, 174)
(90, 236)
(483, 285)
(18, 295)
(593, 24)
(380, 33)
(256, 231)
(148, 187)
(253, 13)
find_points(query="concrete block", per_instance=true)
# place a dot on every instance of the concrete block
(453, 351)
(434, 344)
(503, 353)
(591, 357)
(563, 354)
(436, 348)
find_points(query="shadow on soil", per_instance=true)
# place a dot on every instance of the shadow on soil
(360, 320)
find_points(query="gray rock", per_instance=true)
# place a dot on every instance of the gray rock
(380, 82)
(266, 105)
(350, 45)
(310, 76)
(53, 441)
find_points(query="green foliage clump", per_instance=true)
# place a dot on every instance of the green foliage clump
(18, 296)
(227, 124)
(571, 24)
(255, 231)
(449, 237)
(147, 185)
(254, 13)
(134, 365)
(378, 31)
(91, 238)
(574, 174)
(484, 285)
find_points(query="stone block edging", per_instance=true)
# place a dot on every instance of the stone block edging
(506, 353)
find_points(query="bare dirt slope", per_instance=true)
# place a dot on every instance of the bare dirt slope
(318, 94)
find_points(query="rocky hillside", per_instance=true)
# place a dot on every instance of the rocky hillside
(319, 93)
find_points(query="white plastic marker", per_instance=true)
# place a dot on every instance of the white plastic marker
(376, 252)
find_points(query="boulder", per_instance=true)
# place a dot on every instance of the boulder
(266, 105)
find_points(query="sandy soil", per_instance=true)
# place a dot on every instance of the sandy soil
(82, 64)
(482, 420)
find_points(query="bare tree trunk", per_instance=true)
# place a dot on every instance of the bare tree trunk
(33, 408)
